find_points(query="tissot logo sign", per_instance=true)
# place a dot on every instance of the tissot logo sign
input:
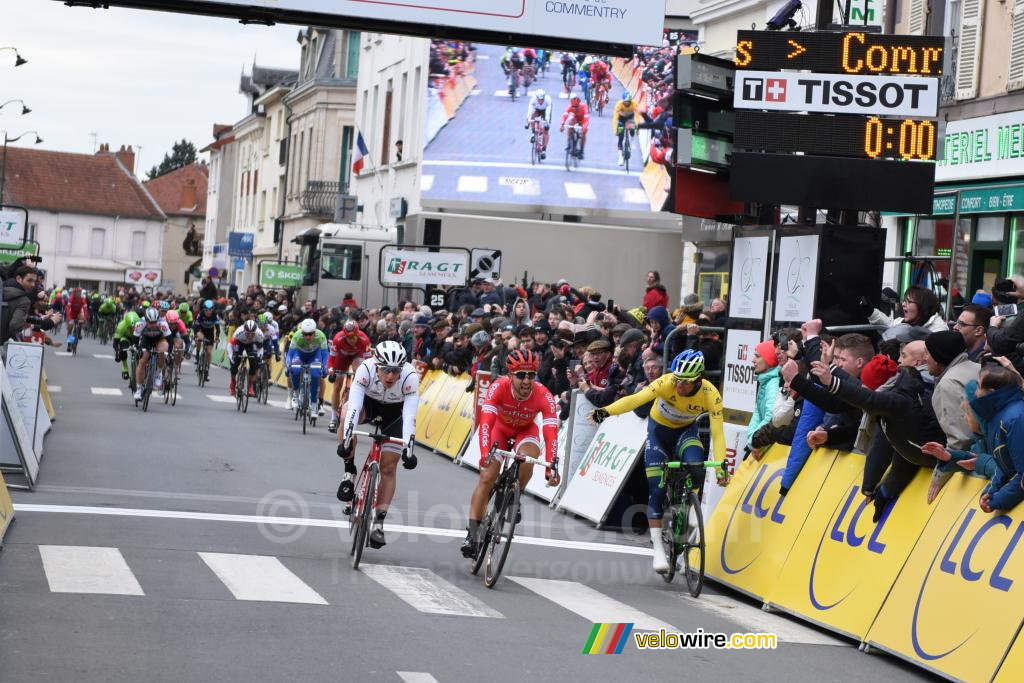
(837, 93)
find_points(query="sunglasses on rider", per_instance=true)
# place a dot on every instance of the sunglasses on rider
(524, 375)
(389, 370)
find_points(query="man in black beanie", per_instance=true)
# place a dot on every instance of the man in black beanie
(949, 365)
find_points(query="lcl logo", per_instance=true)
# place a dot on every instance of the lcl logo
(754, 506)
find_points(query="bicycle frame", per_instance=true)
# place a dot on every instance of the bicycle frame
(367, 485)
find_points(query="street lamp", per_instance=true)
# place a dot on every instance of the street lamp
(24, 108)
(3, 162)
(18, 59)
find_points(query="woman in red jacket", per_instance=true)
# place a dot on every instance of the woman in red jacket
(656, 294)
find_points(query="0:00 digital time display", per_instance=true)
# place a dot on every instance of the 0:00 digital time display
(850, 136)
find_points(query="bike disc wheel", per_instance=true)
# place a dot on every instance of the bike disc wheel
(364, 518)
(501, 534)
(693, 549)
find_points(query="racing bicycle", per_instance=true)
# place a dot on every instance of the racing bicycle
(600, 98)
(304, 412)
(170, 378)
(360, 510)
(513, 84)
(202, 361)
(152, 370)
(629, 129)
(572, 146)
(682, 530)
(536, 141)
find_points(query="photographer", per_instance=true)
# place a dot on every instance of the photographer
(19, 295)
(1006, 328)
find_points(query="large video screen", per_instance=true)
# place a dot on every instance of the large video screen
(480, 150)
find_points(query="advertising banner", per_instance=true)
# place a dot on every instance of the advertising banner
(406, 267)
(955, 607)
(280, 275)
(1011, 671)
(12, 255)
(483, 382)
(13, 227)
(749, 277)
(460, 424)
(735, 440)
(983, 147)
(794, 287)
(17, 449)
(446, 391)
(909, 96)
(24, 372)
(144, 277)
(428, 397)
(739, 383)
(605, 467)
(582, 433)
(240, 244)
(752, 529)
(6, 508)
(842, 564)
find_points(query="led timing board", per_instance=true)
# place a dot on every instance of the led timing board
(847, 136)
(841, 53)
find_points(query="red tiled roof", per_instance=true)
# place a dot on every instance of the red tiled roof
(79, 183)
(186, 185)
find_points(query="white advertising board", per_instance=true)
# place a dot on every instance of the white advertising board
(837, 93)
(12, 227)
(739, 383)
(794, 287)
(406, 267)
(611, 21)
(749, 277)
(144, 277)
(983, 147)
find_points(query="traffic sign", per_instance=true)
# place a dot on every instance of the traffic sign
(853, 136)
(837, 93)
(842, 53)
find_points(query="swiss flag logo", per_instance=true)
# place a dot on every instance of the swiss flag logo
(775, 90)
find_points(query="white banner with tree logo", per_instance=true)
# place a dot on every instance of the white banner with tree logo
(406, 267)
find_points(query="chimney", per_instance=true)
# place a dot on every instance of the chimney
(103, 149)
(126, 157)
(188, 195)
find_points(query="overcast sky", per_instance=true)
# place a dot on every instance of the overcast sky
(134, 77)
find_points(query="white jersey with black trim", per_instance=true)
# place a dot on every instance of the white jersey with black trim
(367, 384)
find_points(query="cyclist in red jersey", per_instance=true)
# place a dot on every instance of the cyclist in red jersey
(507, 416)
(77, 307)
(581, 115)
(348, 349)
(599, 74)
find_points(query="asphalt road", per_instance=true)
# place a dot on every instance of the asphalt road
(146, 554)
(483, 153)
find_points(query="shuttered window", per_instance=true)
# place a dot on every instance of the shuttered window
(1015, 77)
(916, 17)
(971, 14)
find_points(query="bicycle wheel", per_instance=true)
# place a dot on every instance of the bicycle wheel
(167, 375)
(238, 393)
(484, 532)
(174, 393)
(534, 154)
(364, 515)
(570, 150)
(147, 389)
(501, 535)
(305, 402)
(201, 366)
(675, 515)
(693, 548)
(245, 391)
(265, 382)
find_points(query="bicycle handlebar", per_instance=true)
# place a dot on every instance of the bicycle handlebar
(515, 456)
(382, 438)
(676, 464)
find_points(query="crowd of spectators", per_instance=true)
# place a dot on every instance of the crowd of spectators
(918, 393)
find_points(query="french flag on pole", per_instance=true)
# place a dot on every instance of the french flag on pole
(360, 153)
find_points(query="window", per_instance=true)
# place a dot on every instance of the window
(65, 239)
(98, 244)
(352, 58)
(342, 262)
(138, 245)
(347, 134)
(298, 162)
(309, 153)
(385, 154)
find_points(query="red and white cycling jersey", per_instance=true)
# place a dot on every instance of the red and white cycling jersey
(504, 417)
(343, 352)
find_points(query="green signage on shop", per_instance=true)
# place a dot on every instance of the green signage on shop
(1001, 199)
(281, 275)
(12, 255)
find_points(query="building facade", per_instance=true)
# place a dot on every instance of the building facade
(181, 195)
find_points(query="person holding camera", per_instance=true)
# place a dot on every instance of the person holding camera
(1006, 328)
(920, 309)
(18, 299)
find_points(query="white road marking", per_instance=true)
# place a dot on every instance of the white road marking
(54, 388)
(260, 578)
(592, 605)
(474, 91)
(635, 195)
(103, 356)
(426, 182)
(87, 569)
(580, 191)
(105, 391)
(62, 353)
(216, 398)
(277, 404)
(478, 58)
(428, 592)
(472, 183)
(416, 677)
(476, 165)
(324, 523)
(754, 619)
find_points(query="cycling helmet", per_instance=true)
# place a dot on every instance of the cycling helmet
(308, 326)
(165, 306)
(522, 359)
(249, 327)
(172, 317)
(282, 309)
(132, 318)
(208, 304)
(479, 339)
(389, 354)
(262, 318)
(350, 328)
(109, 300)
(182, 307)
(626, 97)
(145, 303)
(540, 94)
(688, 365)
(152, 315)
(574, 97)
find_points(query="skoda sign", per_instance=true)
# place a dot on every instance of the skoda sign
(280, 275)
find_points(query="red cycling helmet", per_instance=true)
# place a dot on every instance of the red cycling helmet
(521, 359)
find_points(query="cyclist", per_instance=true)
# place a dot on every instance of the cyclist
(680, 397)
(540, 108)
(308, 344)
(94, 311)
(185, 313)
(124, 339)
(207, 327)
(508, 413)
(581, 114)
(76, 312)
(569, 68)
(625, 110)
(511, 61)
(179, 333)
(385, 387)
(247, 341)
(348, 349)
(271, 335)
(151, 334)
(107, 311)
(583, 81)
(600, 76)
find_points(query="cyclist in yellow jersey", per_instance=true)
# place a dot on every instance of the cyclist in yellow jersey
(680, 397)
(625, 110)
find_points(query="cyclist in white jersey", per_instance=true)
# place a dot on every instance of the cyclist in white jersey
(540, 107)
(388, 387)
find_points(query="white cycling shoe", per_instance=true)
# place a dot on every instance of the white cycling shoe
(660, 561)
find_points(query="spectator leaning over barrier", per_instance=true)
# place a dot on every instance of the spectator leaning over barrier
(605, 383)
(838, 429)
(978, 458)
(766, 365)
(972, 324)
(629, 358)
(920, 309)
(952, 370)
(906, 417)
(18, 300)
(655, 294)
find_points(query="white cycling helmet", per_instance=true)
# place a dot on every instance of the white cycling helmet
(152, 315)
(308, 326)
(249, 326)
(541, 94)
(389, 354)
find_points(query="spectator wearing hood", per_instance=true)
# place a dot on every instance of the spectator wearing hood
(978, 458)
(766, 365)
(655, 294)
(660, 327)
(520, 313)
(554, 367)
(689, 312)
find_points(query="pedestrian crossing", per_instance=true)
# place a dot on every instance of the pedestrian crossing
(88, 570)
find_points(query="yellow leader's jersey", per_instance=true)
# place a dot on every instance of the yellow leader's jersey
(623, 112)
(675, 411)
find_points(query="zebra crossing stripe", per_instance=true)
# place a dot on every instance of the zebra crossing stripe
(428, 592)
(592, 605)
(260, 578)
(87, 569)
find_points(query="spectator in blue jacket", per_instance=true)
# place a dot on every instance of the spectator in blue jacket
(660, 326)
(766, 365)
(1000, 406)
